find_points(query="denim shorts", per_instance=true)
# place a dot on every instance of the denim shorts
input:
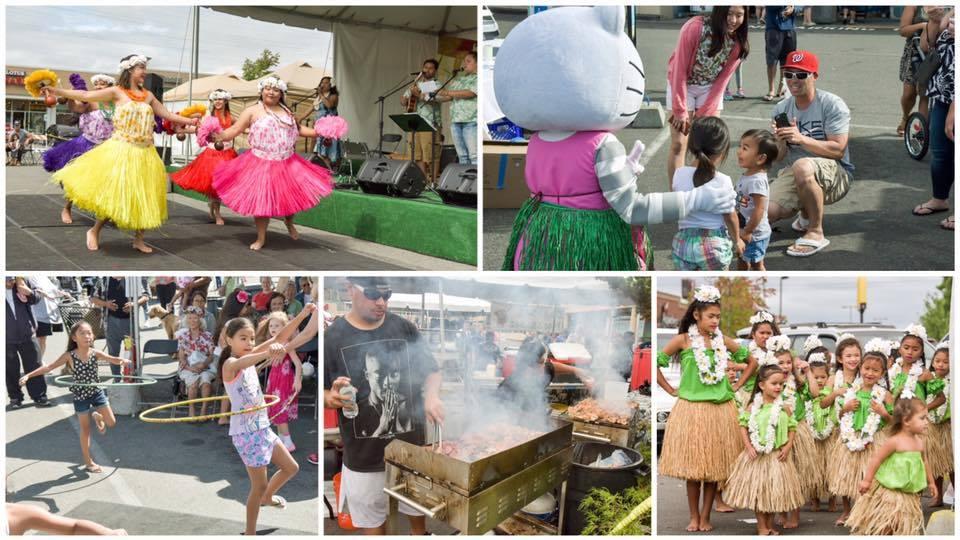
(755, 250)
(83, 406)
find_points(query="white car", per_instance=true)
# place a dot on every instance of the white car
(829, 334)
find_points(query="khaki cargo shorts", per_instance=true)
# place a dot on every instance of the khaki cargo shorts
(832, 178)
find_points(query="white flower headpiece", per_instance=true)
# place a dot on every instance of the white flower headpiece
(706, 293)
(845, 336)
(761, 317)
(881, 346)
(220, 94)
(135, 60)
(103, 77)
(778, 343)
(817, 357)
(272, 82)
(916, 330)
(944, 345)
(811, 343)
(894, 345)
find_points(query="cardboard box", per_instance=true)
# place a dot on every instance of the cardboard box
(504, 185)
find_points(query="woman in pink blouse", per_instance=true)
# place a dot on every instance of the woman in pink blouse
(708, 51)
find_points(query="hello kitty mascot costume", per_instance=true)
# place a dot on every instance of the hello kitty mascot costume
(572, 75)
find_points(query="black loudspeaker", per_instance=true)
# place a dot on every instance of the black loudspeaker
(391, 177)
(458, 185)
(448, 156)
(154, 83)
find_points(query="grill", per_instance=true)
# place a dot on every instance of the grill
(475, 496)
(601, 432)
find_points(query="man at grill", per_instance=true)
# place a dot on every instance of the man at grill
(382, 360)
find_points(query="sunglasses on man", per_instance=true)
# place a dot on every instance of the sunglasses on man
(375, 294)
(799, 75)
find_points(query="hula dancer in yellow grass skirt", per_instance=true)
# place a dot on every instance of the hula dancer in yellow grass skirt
(123, 179)
(701, 440)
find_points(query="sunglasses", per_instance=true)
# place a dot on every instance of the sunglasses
(375, 294)
(799, 75)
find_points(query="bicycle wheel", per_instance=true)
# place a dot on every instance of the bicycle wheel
(916, 137)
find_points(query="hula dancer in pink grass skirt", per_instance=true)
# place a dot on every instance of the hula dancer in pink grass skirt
(270, 180)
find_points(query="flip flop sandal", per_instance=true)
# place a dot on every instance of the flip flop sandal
(93, 470)
(806, 242)
(929, 211)
(769, 97)
(947, 224)
(277, 501)
(800, 224)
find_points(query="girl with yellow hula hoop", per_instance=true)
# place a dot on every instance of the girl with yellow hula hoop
(88, 399)
(256, 443)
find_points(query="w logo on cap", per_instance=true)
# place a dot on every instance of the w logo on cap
(798, 57)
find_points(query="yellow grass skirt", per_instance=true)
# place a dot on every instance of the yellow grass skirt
(764, 484)
(823, 459)
(701, 442)
(883, 511)
(940, 449)
(846, 469)
(804, 456)
(119, 181)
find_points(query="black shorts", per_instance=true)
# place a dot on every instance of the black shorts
(779, 45)
(47, 329)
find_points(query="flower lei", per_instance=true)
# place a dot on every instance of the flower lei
(272, 82)
(767, 445)
(848, 435)
(789, 394)
(708, 375)
(936, 415)
(135, 60)
(706, 293)
(838, 382)
(909, 387)
(827, 421)
(764, 357)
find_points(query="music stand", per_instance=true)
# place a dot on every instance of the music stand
(414, 123)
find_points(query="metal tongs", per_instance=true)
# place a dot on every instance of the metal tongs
(439, 433)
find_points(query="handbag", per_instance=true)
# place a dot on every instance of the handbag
(928, 67)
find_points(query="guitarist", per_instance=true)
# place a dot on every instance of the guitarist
(415, 100)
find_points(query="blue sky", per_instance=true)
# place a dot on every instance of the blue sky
(890, 300)
(94, 38)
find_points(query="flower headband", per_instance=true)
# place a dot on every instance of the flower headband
(129, 63)
(845, 336)
(811, 343)
(761, 317)
(817, 357)
(877, 345)
(916, 330)
(707, 294)
(944, 345)
(273, 82)
(220, 94)
(194, 310)
(243, 297)
(100, 77)
(778, 343)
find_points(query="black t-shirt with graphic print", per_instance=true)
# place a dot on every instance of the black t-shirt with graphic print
(388, 367)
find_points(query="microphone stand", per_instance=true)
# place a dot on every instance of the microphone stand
(380, 101)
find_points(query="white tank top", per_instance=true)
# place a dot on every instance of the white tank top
(245, 393)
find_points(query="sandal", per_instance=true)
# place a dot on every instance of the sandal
(902, 127)
(809, 243)
(95, 469)
(276, 501)
(769, 97)
(800, 224)
(947, 225)
(919, 211)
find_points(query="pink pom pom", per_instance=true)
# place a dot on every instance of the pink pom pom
(209, 125)
(331, 127)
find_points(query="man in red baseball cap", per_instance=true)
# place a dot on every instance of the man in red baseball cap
(812, 133)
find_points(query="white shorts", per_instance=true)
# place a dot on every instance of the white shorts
(362, 496)
(190, 378)
(696, 97)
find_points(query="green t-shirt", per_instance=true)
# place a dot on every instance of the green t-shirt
(820, 415)
(803, 396)
(936, 386)
(464, 110)
(691, 389)
(903, 471)
(864, 410)
(900, 381)
(785, 424)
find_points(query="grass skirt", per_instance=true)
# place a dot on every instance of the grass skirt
(57, 157)
(254, 186)
(553, 237)
(764, 484)
(119, 181)
(823, 459)
(846, 469)
(883, 511)
(701, 442)
(940, 449)
(805, 458)
(198, 175)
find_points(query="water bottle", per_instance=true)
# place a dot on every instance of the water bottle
(350, 409)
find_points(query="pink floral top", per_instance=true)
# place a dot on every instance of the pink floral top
(95, 127)
(272, 138)
(188, 344)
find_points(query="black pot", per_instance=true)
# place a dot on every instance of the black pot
(584, 476)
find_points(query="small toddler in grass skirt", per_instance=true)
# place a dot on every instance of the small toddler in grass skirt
(895, 476)
(939, 438)
(764, 477)
(822, 423)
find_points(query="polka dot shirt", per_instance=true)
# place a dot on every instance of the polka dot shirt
(85, 372)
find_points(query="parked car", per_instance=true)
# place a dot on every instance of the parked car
(829, 334)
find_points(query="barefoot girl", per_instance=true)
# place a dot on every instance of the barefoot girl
(284, 380)
(252, 437)
(896, 475)
(95, 127)
(270, 180)
(81, 360)
(198, 175)
(821, 422)
(701, 441)
(939, 439)
(864, 410)
(123, 179)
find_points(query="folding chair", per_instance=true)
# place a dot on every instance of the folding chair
(160, 348)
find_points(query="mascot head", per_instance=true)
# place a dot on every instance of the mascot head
(570, 69)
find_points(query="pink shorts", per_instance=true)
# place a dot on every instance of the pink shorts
(256, 448)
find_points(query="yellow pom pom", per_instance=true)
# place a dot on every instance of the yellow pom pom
(38, 79)
(196, 110)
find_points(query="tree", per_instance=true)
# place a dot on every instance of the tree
(936, 319)
(637, 289)
(740, 299)
(254, 69)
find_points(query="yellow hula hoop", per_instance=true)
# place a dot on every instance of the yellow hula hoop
(268, 401)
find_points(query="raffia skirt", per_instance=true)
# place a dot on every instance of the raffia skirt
(764, 484)
(701, 442)
(940, 449)
(823, 459)
(804, 457)
(847, 469)
(883, 511)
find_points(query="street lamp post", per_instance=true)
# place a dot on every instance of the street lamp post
(780, 315)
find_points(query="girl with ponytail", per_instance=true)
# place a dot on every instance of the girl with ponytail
(706, 241)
